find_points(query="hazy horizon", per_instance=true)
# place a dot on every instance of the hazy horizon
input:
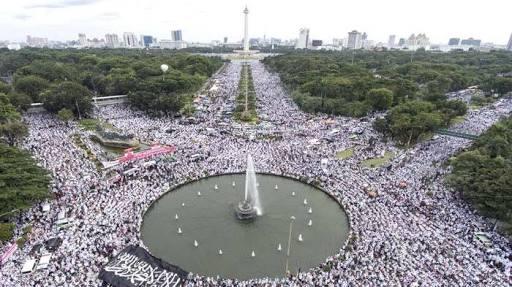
(204, 21)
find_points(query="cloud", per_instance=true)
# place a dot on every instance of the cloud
(22, 17)
(62, 4)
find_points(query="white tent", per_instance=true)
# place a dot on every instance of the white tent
(44, 261)
(28, 266)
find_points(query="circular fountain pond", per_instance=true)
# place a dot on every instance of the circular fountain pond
(195, 227)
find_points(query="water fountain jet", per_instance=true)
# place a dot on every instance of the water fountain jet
(250, 207)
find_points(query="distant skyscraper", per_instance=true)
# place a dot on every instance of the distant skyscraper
(112, 40)
(130, 40)
(418, 41)
(401, 42)
(146, 40)
(82, 39)
(176, 35)
(364, 37)
(509, 46)
(391, 41)
(37, 42)
(454, 41)
(471, 42)
(303, 41)
(354, 40)
(225, 40)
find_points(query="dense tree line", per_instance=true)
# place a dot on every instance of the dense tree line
(22, 182)
(483, 173)
(70, 78)
(413, 85)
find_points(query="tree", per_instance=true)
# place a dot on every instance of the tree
(452, 109)
(32, 86)
(65, 115)
(407, 122)
(483, 174)
(69, 95)
(20, 101)
(22, 182)
(380, 99)
(12, 130)
(7, 111)
(4, 88)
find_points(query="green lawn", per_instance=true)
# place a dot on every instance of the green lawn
(344, 154)
(458, 120)
(379, 161)
(90, 124)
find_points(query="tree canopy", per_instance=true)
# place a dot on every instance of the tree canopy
(12, 130)
(483, 173)
(345, 83)
(38, 73)
(22, 182)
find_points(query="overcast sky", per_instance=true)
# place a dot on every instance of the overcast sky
(206, 20)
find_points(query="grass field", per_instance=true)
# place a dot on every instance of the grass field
(90, 124)
(379, 161)
(344, 154)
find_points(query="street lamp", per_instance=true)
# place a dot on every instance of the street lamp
(292, 218)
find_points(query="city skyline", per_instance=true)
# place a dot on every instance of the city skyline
(62, 20)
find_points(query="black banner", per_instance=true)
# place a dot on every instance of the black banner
(135, 267)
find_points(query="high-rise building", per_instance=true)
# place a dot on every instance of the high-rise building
(130, 41)
(82, 39)
(112, 40)
(418, 41)
(146, 40)
(225, 40)
(354, 40)
(391, 41)
(37, 42)
(454, 41)
(509, 45)
(471, 42)
(337, 42)
(401, 42)
(302, 42)
(176, 35)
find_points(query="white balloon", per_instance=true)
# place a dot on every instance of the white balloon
(164, 68)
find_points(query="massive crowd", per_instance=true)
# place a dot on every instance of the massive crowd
(407, 227)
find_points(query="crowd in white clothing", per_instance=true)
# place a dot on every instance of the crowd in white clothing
(410, 230)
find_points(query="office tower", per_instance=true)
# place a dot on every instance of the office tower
(354, 40)
(112, 40)
(391, 41)
(146, 40)
(82, 39)
(401, 42)
(37, 42)
(509, 46)
(471, 42)
(130, 40)
(176, 35)
(302, 42)
(225, 40)
(454, 41)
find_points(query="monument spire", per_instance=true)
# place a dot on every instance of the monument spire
(246, 30)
